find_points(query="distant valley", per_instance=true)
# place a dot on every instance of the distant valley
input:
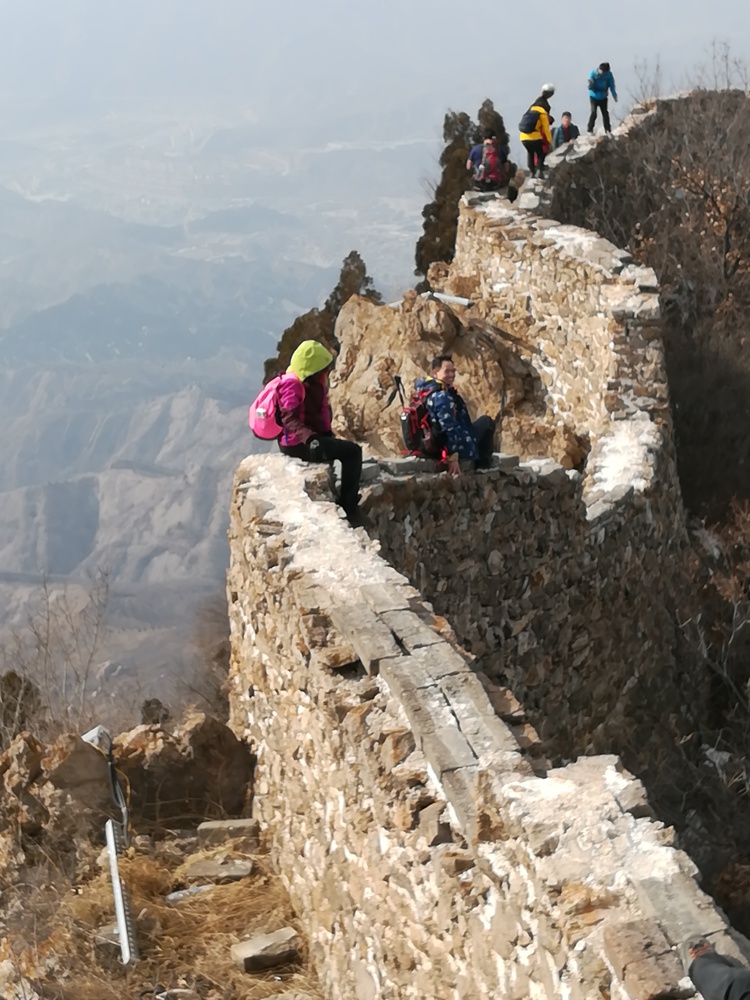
(147, 267)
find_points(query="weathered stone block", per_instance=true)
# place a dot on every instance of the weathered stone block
(679, 906)
(446, 748)
(265, 951)
(218, 871)
(408, 466)
(654, 978)
(411, 630)
(427, 710)
(396, 748)
(433, 825)
(628, 943)
(219, 831)
(405, 674)
(380, 597)
(372, 640)
(441, 660)
(633, 800)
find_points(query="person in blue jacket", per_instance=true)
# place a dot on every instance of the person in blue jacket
(601, 82)
(462, 439)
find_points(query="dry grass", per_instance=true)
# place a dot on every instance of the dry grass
(185, 944)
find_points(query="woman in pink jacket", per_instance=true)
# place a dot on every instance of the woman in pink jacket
(306, 421)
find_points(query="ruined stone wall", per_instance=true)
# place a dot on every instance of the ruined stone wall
(574, 605)
(428, 851)
(428, 843)
(586, 318)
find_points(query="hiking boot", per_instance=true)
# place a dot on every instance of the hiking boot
(357, 518)
(697, 946)
(692, 948)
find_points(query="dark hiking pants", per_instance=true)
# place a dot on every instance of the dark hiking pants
(535, 150)
(718, 980)
(334, 449)
(484, 435)
(595, 106)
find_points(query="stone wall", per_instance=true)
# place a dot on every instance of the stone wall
(409, 690)
(586, 317)
(574, 603)
(563, 336)
(427, 848)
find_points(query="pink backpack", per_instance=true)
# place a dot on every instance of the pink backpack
(263, 416)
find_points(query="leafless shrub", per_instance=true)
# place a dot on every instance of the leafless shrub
(722, 69)
(649, 83)
(54, 656)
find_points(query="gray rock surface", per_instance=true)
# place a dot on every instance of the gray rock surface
(266, 951)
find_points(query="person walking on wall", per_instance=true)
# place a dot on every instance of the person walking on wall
(535, 130)
(601, 82)
(716, 976)
(305, 418)
(566, 132)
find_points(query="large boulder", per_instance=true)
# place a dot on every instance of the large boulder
(199, 771)
(378, 342)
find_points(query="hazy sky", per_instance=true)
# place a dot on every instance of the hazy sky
(396, 63)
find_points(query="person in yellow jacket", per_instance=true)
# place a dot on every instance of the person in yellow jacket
(537, 138)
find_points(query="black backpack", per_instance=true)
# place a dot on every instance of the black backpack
(529, 121)
(420, 435)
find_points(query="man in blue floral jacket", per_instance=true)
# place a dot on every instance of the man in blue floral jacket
(462, 439)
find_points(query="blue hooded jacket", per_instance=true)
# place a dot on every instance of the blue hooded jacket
(448, 411)
(600, 83)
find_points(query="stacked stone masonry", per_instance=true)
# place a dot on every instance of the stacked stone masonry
(429, 850)
(590, 322)
(434, 841)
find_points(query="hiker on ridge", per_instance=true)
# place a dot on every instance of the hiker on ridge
(535, 130)
(460, 437)
(488, 162)
(600, 82)
(305, 418)
(716, 976)
(566, 132)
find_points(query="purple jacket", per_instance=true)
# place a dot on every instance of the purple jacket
(304, 407)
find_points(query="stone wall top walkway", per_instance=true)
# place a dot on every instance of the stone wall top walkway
(573, 886)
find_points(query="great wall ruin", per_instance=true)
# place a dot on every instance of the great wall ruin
(438, 702)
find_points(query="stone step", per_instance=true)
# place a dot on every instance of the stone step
(220, 831)
(218, 871)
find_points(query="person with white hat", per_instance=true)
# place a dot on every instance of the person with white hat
(534, 127)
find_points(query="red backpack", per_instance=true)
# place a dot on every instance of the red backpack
(491, 169)
(420, 435)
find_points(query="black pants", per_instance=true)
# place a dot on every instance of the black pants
(717, 980)
(595, 106)
(535, 150)
(484, 434)
(335, 449)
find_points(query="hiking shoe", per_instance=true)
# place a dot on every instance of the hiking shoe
(692, 948)
(357, 517)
